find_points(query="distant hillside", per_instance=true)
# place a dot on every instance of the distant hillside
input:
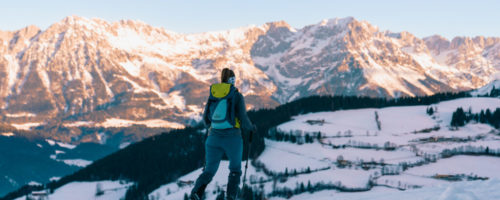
(38, 160)
(149, 163)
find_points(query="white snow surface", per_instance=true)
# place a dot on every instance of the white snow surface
(404, 127)
(77, 162)
(474, 190)
(115, 122)
(132, 68)
(26, 126)
(394, 120)
(219, 180)
(484, 166)
(51, 142)
(414, 134)
(447, 108)
(7, 134)
(346, 177)
(78, 123)
(298, 158)
(485, 90)
(54, 178)
(34, 183)
(66, 145)
(21, 114)
(87, 190)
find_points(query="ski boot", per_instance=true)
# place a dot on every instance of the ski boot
(198, 194)
(233, 185)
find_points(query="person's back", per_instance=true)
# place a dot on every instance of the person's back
(225, 115)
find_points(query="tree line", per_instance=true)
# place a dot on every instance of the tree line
(461, 117)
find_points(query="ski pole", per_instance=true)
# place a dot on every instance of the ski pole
(246, 163)
(248, 157)
(205, 140)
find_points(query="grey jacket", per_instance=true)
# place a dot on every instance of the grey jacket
(240, 113)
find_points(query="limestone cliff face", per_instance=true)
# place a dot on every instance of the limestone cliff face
(89, 72)
(350, 57)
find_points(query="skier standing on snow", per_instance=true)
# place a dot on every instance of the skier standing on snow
(225, 115)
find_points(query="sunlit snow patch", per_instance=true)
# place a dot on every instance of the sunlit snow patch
(8, 134)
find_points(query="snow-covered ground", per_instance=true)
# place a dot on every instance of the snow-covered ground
(87, 190)
(61, 144)
(7, 134)
(473, 190)
(296, 157)
(26, 126)
(483, 166)
(77, 162)
(114, 122)
(417, 138)
(352, 154)
(177, 191)
(446, 108)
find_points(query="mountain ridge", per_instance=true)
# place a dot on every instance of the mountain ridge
(90, 72)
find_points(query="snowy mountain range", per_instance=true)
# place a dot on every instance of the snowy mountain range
(83, 72)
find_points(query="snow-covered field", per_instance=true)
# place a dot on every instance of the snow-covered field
(177, 191)
(417, 140)
(403, 159)
(473, 190)
(483, 166)
(87, 190)
(77, 162)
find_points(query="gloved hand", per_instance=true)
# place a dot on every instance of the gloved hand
(254, 130)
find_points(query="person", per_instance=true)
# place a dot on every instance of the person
(225, 116)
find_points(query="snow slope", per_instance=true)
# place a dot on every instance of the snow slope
(418, 139)
(484, 166)
(87, 190)
(398, 120)
(475, 190)
(173, 191)
(407, 170)
(486, 90)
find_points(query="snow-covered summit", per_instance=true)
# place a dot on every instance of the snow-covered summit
(487, 89)
(336, 21)
(91, 70)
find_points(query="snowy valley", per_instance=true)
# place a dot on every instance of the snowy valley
(353, 158)
(373, 153)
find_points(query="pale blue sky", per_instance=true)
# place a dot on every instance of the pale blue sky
(420, 17)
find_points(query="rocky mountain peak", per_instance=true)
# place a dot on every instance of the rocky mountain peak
(279, 24)
(95, 73)
(437, 43)
(337, 21)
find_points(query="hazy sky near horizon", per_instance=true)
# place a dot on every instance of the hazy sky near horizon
(423, 17)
